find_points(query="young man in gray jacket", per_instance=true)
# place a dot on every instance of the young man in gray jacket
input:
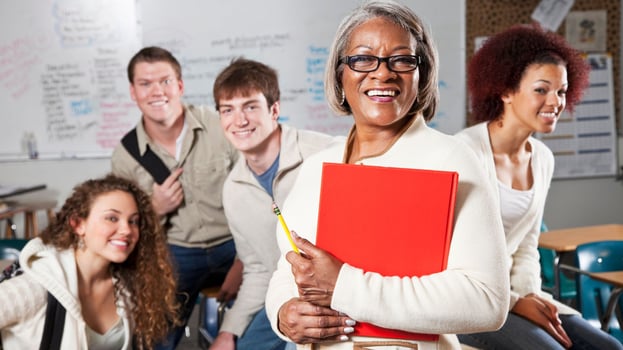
(247, 99)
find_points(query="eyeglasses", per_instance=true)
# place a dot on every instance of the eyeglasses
(369, 63)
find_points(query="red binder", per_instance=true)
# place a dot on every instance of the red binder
(394, 221)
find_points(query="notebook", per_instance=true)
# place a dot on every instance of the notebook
(394, 221)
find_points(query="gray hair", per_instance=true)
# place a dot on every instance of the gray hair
(402, 15)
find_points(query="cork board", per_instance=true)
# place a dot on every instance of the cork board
(487, 17)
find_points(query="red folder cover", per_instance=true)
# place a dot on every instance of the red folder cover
(394, 221)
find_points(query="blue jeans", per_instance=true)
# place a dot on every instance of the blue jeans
(518, 333)
(259, 335)
(196, 269)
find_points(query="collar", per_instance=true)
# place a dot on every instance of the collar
(415, 123)
(289, 156)
(191, 122)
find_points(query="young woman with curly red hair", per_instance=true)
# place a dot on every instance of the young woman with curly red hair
(520, 81)
(106, 261)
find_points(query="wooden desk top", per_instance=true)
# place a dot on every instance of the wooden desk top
(8, 191)
(615, 277)
(568, 239)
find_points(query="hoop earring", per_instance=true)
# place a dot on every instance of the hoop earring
(343, 98)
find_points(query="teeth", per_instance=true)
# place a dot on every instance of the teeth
(158, 103)
(242, 132)
(381, 93)
(119, 243)
(548, 115)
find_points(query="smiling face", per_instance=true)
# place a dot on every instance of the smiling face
(382, 98)
(157, 91)
(248, 121)
(540, 98)
(111, 231)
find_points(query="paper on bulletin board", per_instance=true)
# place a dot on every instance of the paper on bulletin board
(584, 144)
(586, 30)
(551, 13)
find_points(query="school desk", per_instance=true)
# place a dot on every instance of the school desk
(615, 278)
(566, 240)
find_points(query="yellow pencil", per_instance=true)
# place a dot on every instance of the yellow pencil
(285, 227)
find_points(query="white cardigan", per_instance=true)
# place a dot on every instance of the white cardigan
(471, 295)
(521, 240)
(45, 269)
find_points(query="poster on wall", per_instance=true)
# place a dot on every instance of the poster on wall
(586, 30)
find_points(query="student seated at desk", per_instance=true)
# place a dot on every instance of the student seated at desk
(106, 261)
(520, 82)
(247, 98)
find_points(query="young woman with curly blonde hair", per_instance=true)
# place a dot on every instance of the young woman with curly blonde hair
(105, 259)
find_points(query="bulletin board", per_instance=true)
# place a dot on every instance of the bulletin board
(487, 17)
(585, 143)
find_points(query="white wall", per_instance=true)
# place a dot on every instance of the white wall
(60, 176)
(584, 202)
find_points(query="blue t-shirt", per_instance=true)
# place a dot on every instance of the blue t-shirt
(266, 179)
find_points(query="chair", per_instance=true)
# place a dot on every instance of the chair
(211, 314)
(8, 215)
(16, 243)
(9, 250)
(31, 224)
(567, 285)
(29, 210)
(8, 253)
(592, 296)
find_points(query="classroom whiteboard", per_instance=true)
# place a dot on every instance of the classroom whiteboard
(62, 76)
(63, 72)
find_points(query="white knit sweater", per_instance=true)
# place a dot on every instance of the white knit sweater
(24, 299)
(471, 295)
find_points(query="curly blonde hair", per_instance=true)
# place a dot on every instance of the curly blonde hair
(146, 275)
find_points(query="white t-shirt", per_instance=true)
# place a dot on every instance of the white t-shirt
(514, 204)
(112, 339)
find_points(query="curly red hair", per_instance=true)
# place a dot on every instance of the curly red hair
(498, 66)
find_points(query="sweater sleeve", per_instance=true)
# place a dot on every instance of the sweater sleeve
(252, 292)
(525, 270)
(22, 312)
(454, 300)
(471, 295)
(26, 296)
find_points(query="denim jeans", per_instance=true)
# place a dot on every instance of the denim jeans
(196, 268)
(518, 333)
(259, 335)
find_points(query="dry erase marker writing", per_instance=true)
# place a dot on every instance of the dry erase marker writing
(285, 227)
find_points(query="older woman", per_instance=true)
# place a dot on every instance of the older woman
(382, 69)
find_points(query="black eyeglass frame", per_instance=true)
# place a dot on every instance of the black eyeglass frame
(388, 59)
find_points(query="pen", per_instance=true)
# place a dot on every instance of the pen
(285, 227)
